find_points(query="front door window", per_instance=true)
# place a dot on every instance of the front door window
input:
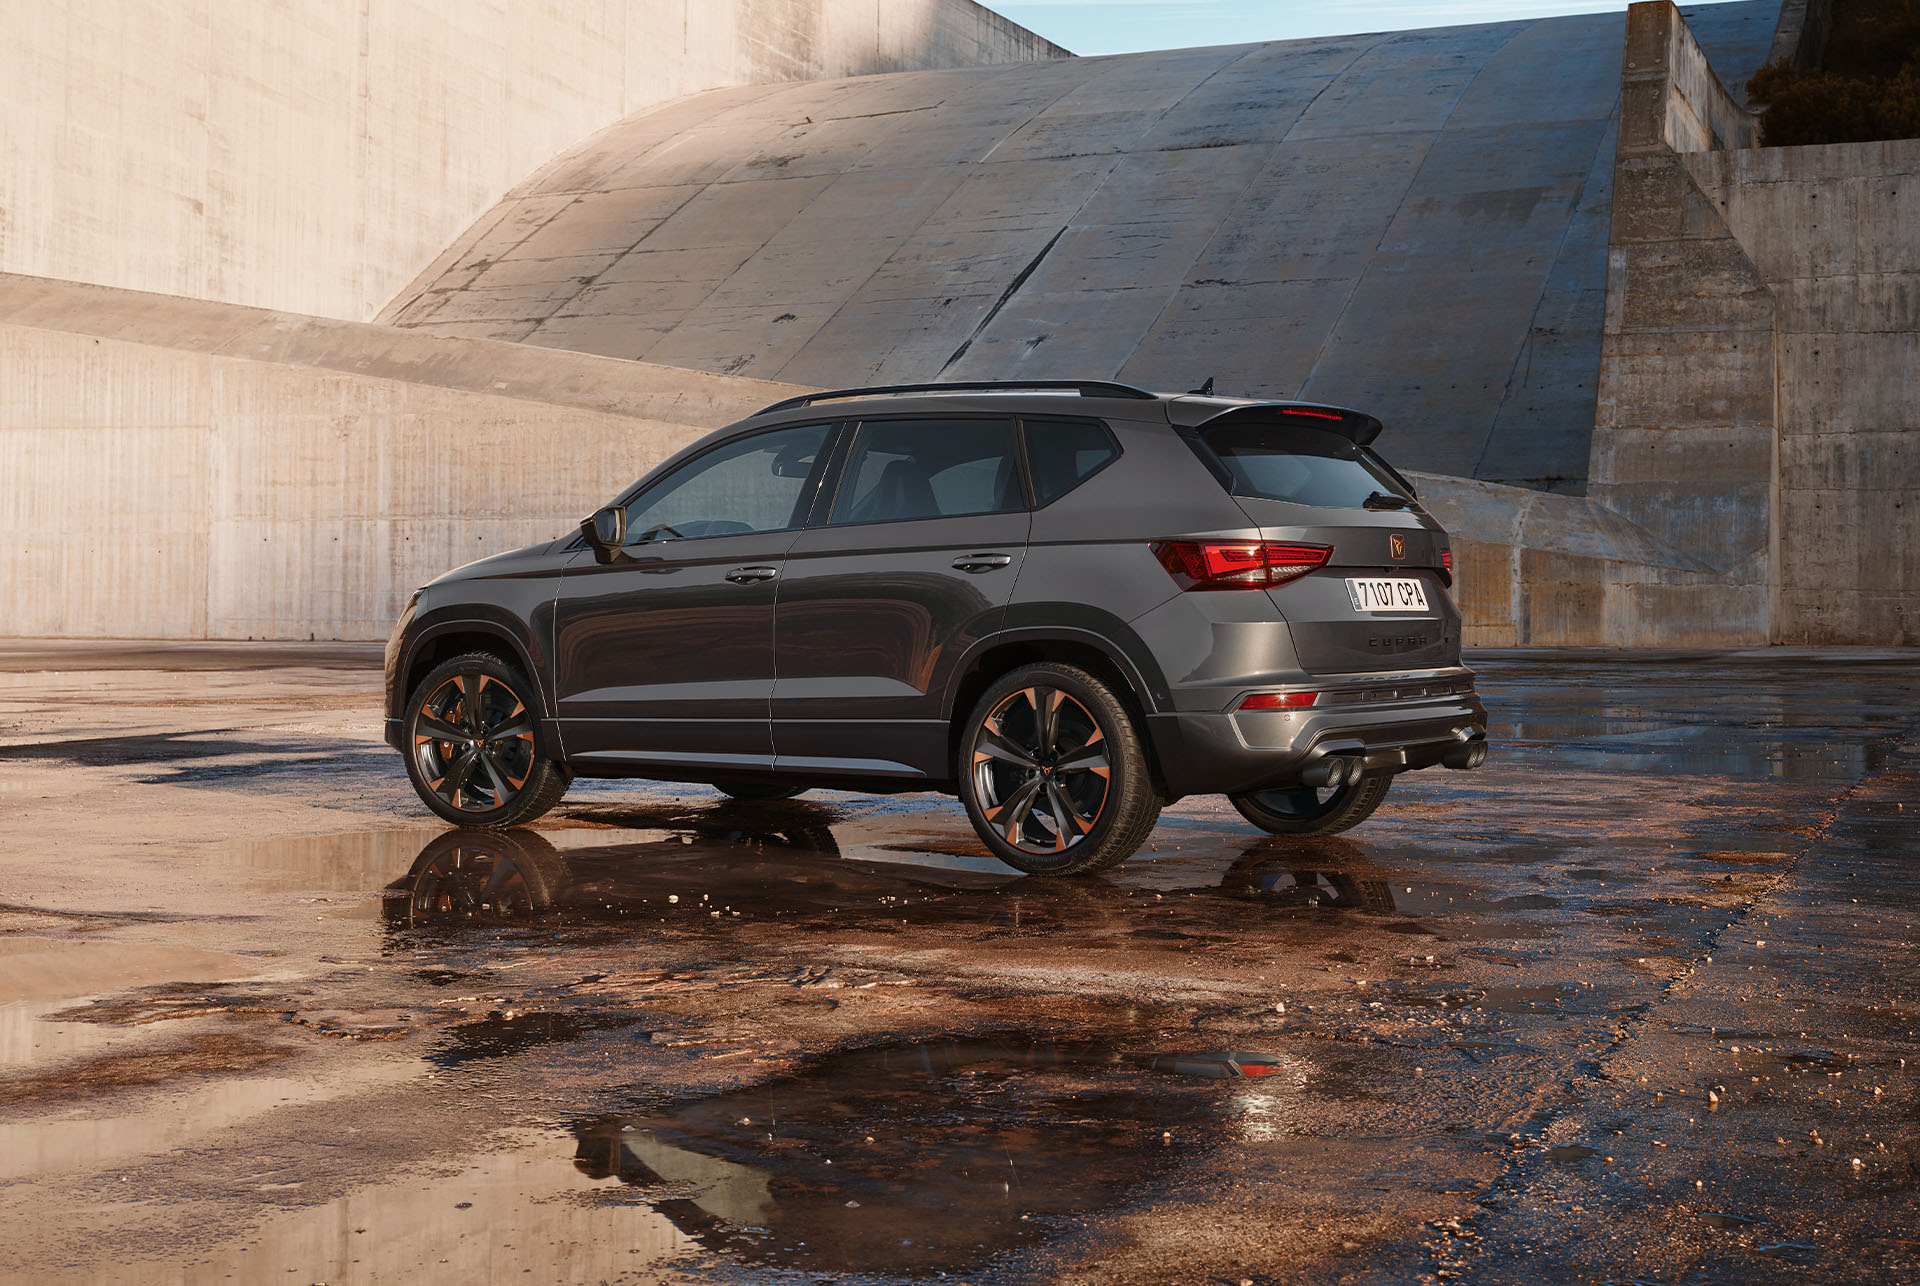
(751, 485)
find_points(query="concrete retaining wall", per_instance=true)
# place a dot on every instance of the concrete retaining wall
(1683, 436)
(314, 155)
(1757, 409)
(183, 470)
(1834, 232)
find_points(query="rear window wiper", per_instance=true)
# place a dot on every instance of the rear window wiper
(1386, 500)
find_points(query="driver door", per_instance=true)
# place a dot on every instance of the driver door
(665, 655)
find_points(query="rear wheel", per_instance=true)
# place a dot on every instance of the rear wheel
(1054, 773)
(1307, 810)
(472, 753)
(756, 790)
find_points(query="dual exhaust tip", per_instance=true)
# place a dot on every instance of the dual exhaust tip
(1335, 771)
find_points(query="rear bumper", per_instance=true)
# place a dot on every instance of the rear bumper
(1227, 754)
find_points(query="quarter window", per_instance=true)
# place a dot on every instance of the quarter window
(1062, 454)
(756, 483)
(900, 470)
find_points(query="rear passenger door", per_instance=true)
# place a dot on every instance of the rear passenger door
(915, 562)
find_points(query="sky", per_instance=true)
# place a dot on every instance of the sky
(1129, 26)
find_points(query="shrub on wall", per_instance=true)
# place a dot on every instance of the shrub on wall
(1866, 87)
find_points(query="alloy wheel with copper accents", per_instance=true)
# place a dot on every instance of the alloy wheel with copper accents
(1041, 771)
(473, 743)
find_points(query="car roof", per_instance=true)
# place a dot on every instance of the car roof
(1095, 398)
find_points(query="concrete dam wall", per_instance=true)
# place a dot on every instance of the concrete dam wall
(314, 155)
(1652, 377)
(1413, 222)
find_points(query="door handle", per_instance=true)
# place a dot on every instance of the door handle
(982, 562)
(748, 575)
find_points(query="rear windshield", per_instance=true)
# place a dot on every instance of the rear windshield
(1302, 466)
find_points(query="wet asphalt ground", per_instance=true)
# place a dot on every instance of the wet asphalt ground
(1637, 1002)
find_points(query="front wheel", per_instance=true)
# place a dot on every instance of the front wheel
(472, 753)
(1307, 810)
(1054, 773)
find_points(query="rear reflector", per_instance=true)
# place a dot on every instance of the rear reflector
(1239, 564)
(1446, 564)
(1279, 700)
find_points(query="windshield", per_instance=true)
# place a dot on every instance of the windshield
(1301, 466)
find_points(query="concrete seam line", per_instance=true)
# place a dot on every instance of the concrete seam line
(1228, 207)
(1019, 280)
(1525, 351)
(1346, 305)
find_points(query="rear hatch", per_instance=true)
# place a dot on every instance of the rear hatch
(1304, 475)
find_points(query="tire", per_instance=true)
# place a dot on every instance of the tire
(758, 791)
(487, 769)
(1025, 782)
(1307, 811)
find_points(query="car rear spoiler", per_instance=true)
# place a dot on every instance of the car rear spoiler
(1358, 428)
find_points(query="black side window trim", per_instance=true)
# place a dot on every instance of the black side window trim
(829, 495)
(1026, 468)
(839, 442)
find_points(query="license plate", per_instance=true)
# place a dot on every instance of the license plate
(1387, 594)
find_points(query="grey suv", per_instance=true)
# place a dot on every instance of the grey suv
(1070, 604)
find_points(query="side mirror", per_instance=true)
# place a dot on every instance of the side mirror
(606, 532)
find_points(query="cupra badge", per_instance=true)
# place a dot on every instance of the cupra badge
(1397, 545)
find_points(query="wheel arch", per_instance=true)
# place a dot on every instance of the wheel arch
(444, 640)
(1003, 653)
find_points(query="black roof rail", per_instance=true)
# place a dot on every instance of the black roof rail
(1085, 388)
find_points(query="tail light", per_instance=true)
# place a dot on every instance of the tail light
(1240, 564)
(1446, 564)
(1279, 701)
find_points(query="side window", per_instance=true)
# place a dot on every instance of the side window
(753, 484)
(1062, 454)
(933, 468)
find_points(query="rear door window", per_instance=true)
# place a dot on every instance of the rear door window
(1301, 466)
(1062, 454)
(938, 467)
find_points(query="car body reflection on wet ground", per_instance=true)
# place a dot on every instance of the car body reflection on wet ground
(765, 859)
(1638, 1001)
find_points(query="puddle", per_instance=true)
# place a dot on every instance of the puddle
(33, 1034)
(300, 763)
(469, 1222)
(82, 1136)
(1566, 1153)
(790, 864)
(1728, 1222)
(499, 1035)
(120, 752)
(1499, 1000)
(1797, 1252)
(734, 863)
(909, 1158)
(1278, 881)
(1226, 1066)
